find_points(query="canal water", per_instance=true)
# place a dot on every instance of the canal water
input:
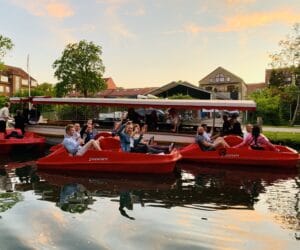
(203, 207)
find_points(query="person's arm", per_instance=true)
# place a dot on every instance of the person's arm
(264, 141)
(247, 141)
(120, 129)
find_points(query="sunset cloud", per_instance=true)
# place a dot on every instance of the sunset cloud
(192, 28)
(50, 8)
(234, 2)
(243, 22)
(118, 29)
(258, 19)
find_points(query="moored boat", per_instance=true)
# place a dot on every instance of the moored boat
(14, 139)
(285, 157)
(110, 159)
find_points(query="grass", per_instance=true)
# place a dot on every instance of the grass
(291, 139)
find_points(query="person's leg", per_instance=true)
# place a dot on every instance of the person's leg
(2, 126)
(88, 145)
(220, 142)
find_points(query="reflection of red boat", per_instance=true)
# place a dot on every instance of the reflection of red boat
(108, 181)
(110, 159)
(245, 156)
(28, 140)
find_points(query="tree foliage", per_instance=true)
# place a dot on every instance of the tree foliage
(268, 105)
(6, 44)
(44, 89)
(285, 63)
(80, 68)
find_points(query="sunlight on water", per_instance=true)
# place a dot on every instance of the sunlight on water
(204, 208)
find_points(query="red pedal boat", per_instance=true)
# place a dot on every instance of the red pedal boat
(29, 140)
(110, 159)
(245, 156)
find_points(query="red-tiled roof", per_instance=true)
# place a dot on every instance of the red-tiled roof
(110, 83)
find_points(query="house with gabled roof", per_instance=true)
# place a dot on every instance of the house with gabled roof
(14, 79)
(182, 88)
(225, 83)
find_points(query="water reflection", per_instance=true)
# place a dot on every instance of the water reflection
(199, 188)
(74, 198)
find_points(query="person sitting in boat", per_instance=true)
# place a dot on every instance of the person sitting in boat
(226, 126)
(84, 127)
(77, 129)
(126, 135)
(256, 141)
(206, 135)
(235, 126)
(90, 133)
(143, 147)
(75, 147)
(20, 121)
(205, 145)
(248, 130)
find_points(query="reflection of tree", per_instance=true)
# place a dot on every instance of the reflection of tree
(74, 198)
(8, 200)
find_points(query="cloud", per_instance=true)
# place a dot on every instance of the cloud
(258, 19)
(235, 2)
(50, 8)
(242, 22)
(192, 28)
(118, 28)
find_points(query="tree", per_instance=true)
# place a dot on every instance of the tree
(5, 45)
(44, 89)
(288, 58)
(80, 68)
(268, 105)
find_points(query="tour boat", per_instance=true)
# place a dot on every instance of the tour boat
(13, 139)
(285, 157)
(110, 159)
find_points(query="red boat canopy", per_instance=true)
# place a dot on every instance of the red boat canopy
(146, 103)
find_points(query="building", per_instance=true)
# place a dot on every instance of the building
(182, 88)
(282, 74)
(225, 83)
(252, 87)
(14, 79)
(110, 84)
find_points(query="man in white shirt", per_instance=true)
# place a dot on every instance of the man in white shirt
(4, 116)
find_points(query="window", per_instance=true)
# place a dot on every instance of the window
(228, 79)
(220, 78)
(7, 89)
(33, 83)
(4, 79)
(17, 86)
(1, 89)
(209, 88)
(24, 82)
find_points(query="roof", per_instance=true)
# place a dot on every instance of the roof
(174, 84)
(134, 92)
(11, 70)
(110, 83)
(154, 103)
(205, 80)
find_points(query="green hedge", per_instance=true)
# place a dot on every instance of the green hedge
(290, 139)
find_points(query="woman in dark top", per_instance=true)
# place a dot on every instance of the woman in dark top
(20, 121)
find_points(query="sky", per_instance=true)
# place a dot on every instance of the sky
(149, 43)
